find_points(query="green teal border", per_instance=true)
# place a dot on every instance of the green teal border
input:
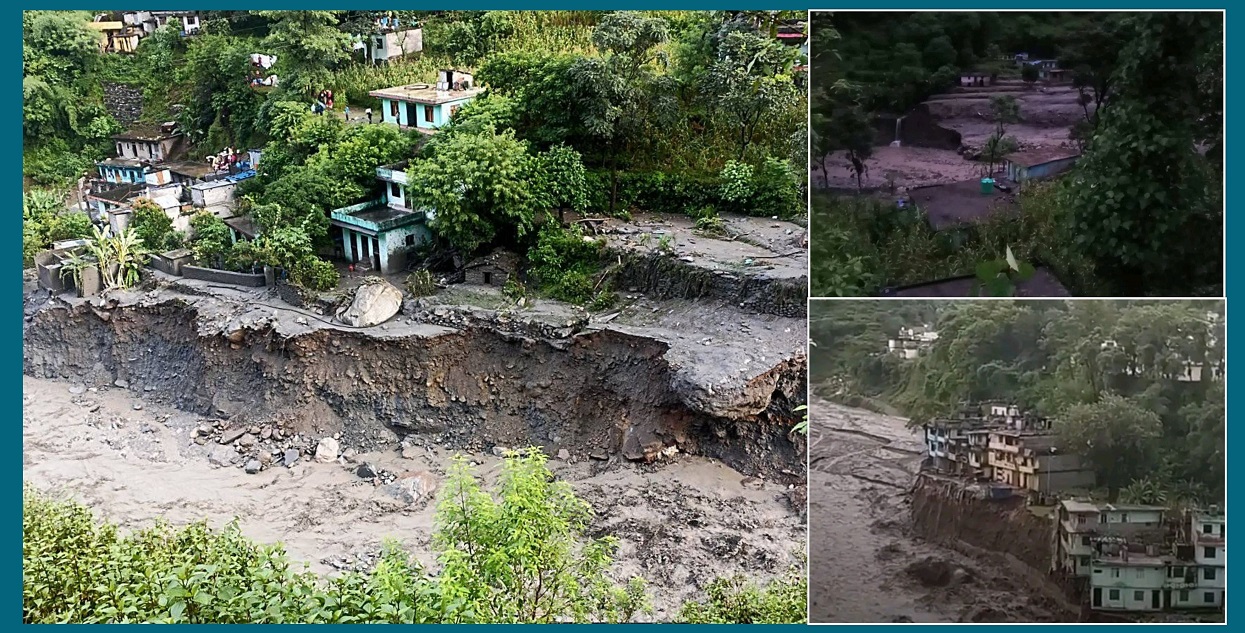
(11, 366)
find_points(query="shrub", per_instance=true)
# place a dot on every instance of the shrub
(211, 239)
(564, 263)
(151, 223)
(68, 226)
(421, 284)
(735, 600)
(519, 555)
(315, 274)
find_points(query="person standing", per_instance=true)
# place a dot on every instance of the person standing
(347, 114)
(368, 112)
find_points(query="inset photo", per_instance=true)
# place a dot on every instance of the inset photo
(414, 317)
(1017, 461)
(1030, 154)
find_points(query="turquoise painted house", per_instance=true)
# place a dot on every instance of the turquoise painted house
(1039, 164)
(427, 107)
(379, 234)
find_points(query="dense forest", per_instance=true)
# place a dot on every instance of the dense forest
(1111, 374)
(602, 112)
(1140, 214)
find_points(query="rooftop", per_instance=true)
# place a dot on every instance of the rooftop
(146, 132)
(119, 194)
(1132, 507)
(120, 162)
(1041, 156)
(425, 93)
(959, 203)
(243, 224)
(375, 216)
(1042, 284)
(1079, 507)
(1135, 559)
(197, 171)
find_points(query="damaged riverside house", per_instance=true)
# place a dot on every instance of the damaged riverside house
(1112, 557)
(1141, 558)
(1016, 453)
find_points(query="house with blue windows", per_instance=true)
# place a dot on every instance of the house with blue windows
(379, 234)
(427, 107)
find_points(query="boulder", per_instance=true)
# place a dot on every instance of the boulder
(411, 487)
(327, 450)
(375, 302)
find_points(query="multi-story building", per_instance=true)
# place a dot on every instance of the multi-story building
(1031, 460)
(1131, 560)
(912, 341)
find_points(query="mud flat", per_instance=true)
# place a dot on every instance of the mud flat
(867, 562)
(680, 523)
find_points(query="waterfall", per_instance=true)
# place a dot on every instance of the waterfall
(898, 124)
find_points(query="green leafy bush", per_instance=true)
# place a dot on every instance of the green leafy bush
(151, 223)
(736, 600)
(421, 284)
(518, 555)
(565, 264)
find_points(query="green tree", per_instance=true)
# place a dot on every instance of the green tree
(1029, 73)
(480, 186)
(210, 239)
(564, 181)
(750, 82)
(522, 555)
(1115, 435)
(308, 46)
(1142, 199)
(737, 600)
(151, 223)
(619, 87)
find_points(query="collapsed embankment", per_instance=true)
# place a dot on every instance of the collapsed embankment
(602, 392)
(1003, 532)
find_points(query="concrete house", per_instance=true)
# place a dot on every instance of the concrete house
(1121, 580)
(149, 142)
(1038, 164)
(427, 107)
(116, 36)
(976, 78)
(391, 41)
(1030, 460)
(379, 234)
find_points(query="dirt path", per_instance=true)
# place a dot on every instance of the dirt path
(680, 524)
(866, 566)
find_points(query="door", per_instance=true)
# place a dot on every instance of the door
(375, 254)
(1097, 596)
(354, 247)
(1156, 601)
(412, 114)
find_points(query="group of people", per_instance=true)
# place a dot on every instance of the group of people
(227, 159)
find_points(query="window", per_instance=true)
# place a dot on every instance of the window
(1085, 561)
(488, 279)
(410, 240)
(1208, 528)
(1184, 595)
(1139, 596)
(1115, 573)
(453, 110)
(1208, 573)
(428, 114)
(1113, 594)
(1124, 517)
(1085, 541)
(1208, 597)
(1208, 552)
(1175, 572)
(394, 191)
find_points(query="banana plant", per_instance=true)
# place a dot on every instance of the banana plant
(130, 254)
(802, 426)
(102, 250)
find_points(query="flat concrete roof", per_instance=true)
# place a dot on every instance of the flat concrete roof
(188, 168)
(243, 225)
(424, 93)
(145, 132)
(1080, 507)
(120, 194)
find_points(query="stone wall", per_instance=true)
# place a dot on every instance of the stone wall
(223, 276)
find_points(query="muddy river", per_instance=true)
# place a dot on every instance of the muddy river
(866, 565)
(680, 524)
